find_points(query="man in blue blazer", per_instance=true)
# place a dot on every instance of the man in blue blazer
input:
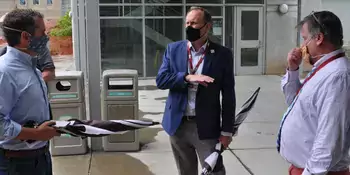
(196, 71)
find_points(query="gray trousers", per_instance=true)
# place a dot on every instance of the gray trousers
(186, 145)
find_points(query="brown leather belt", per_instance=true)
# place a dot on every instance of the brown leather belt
(24, 153)
(344, 172)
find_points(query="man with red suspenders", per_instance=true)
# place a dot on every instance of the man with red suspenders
(314, 135)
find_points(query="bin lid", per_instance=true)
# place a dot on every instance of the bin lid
(68, 74)
(122, 72)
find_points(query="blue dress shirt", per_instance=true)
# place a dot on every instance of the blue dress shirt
(23, 97)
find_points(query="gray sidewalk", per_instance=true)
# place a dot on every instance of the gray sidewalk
(251, 152)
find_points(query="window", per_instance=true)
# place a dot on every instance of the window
(159, 33)
(245, 1)
(204, 1)
(213, 10)
(119, 1)
(133, 10)
(163, 1)
(36, 2)
(121, 44)
(22, 2)
(49, 2)
(163, 11)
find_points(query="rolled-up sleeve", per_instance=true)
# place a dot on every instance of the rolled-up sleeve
(333, 126)
(45, 61)
(8, 128)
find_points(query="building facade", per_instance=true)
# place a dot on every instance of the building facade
(135, 33)
(338, 7)
(52, 9)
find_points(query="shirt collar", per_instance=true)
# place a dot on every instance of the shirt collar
(202, 49)
(21, 56)
(327, 56)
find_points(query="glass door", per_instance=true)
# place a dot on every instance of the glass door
(249, 44)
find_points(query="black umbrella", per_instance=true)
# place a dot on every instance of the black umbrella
(210, 161)
(95, 128)
(243, 112)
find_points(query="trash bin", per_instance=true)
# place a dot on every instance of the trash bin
(119, 102)
(67, 98)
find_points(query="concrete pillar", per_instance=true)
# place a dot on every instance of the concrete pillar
(281, 34)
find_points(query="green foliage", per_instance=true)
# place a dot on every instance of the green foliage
(64, 26)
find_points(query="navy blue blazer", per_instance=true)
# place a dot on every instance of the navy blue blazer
(218, 64)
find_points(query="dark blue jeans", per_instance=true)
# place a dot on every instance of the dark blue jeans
(37, 165)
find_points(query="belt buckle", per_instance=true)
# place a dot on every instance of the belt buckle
(189, 118)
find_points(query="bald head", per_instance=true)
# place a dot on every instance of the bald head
(198, 24)
(203, 14)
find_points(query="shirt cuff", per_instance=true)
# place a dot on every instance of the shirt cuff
(13, 131)
(293, 75)
(226, 134)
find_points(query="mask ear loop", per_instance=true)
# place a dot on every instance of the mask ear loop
(306, 43)
(9, 28)
(16, 30)
(202, 28)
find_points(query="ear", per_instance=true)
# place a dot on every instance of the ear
(319, 39)
(209, 25)
(25, 36)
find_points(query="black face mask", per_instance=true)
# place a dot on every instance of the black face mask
(193, 34)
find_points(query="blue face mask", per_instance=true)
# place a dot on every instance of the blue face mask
(36, 44)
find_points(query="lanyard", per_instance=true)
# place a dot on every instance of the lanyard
(297, 94)
(190, 59)
(320, 67)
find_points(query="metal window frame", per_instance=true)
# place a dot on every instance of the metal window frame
(39, 3)
(89, 56)
(184, 5)
(93, 64)
(18, 2)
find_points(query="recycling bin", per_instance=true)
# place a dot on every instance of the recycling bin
(119, 100)
(67, 98)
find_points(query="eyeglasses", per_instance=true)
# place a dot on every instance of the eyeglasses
(323, 28)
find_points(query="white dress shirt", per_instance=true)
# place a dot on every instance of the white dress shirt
(192, 90)
(316, 134)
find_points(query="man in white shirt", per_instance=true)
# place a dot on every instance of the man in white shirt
(314, 136)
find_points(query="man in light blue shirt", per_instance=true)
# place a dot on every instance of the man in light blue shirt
(23, 97)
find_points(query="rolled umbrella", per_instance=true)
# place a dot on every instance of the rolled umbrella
(244, 110)
(94, 128)
(211, 160)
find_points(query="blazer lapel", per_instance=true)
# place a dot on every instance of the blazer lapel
(208, 58)
(184, 57)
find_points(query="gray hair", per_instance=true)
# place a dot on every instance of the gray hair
(328, 24)
(207, 15)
